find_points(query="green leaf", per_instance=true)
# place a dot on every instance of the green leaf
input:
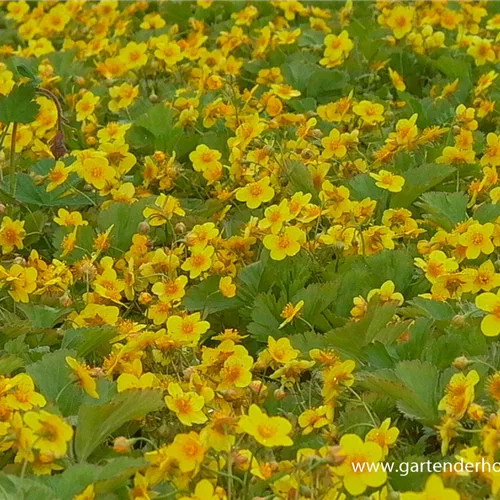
(486, 213)
(301, 179)
(97, 423)
(10, 363)
(352, 337)
(88, 340)
(19, 106)
(77, 477)
(53, 377)
(414, 385)
(43, 316)
(440, 311)
(445, 210)
(265, 313)
(326, 83)
(125, 219)
(207, 297)
(418, 181)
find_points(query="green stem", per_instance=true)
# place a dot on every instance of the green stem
(4, 134)
(12, 168)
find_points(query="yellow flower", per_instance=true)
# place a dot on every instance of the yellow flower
(129, 381)
(97, 315)
(334, 145)
(189, 451)
(169, 52)
(492, 154)
(204, 489)
(21, 281)
(201, 235)
(275, 216)
(268, 431)
(186, 405)
(459, 394)
(86, 106)
(187, 329)
(454, 156)
(313, 419)
(82, 374)
(281, 350)
(22, 395)
(385, 436)
(58, 175)
(51, 432)
(400, 20)
(336, 376)
(204, 158)
(97, 172)
(490, 302)
(387, 293)
(227, 287)
(12, 234)
(198, 262)
(256, 193)
(370, 112)
(477, 240)
(397, 80)
(69, 219)
(290, 311)
(434, 488)
(387, 180)
(236, 372)
(354, 470)
(285, 244)
(170, 290)
(437, 264)
(167, 207)
(481, 50)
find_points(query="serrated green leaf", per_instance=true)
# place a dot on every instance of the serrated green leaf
(88, 340)
(97, 423)
(53, 377)
(418, 181)
(19, 106)
(206, 297)
(446, 210)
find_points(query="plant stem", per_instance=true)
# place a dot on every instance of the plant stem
(12, 168)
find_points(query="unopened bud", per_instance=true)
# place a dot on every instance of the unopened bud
(334, 455)
(458, 321)
(307, 154)
(316, 133)
(65, 300)
(20, 261)
(3, 209)
(279, 394)
(180, 228)
(258, 386)
(143, 227)
(461, 363)
(122, 445)
(153, 98)
(145, 298)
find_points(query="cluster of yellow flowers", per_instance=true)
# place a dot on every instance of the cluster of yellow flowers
(216, 203)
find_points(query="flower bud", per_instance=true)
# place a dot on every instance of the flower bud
(65, 300)
(143, 227)
(459, 321)
(180, 228)
(461, 363)
(280, 394)
(122, 445)
(307, 154)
